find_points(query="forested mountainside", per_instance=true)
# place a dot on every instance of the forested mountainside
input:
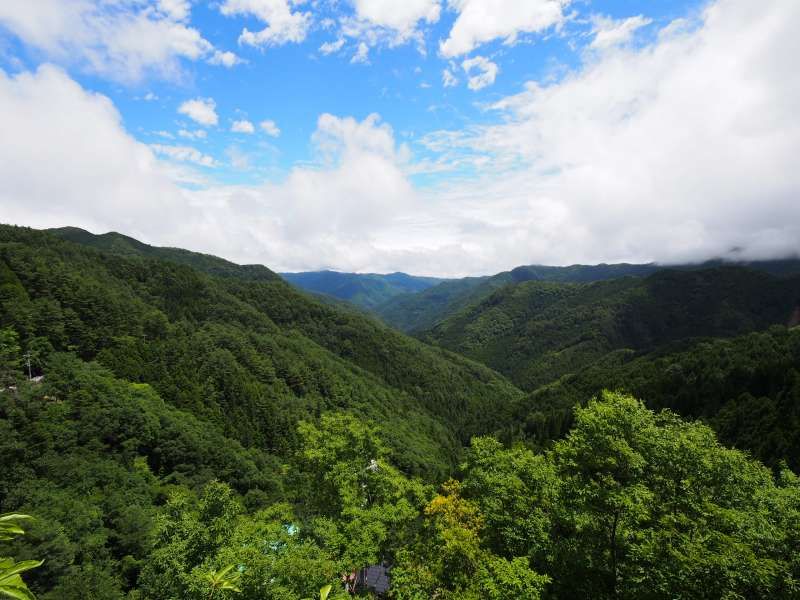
(422, 311)
(535, 332)
(747, 388)
(203, 431)
(269, 355)
(365, 290)
(122, 245)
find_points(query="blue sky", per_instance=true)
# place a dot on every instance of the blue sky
(443, 137)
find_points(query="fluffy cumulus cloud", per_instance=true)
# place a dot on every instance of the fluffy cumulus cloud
(402, 17)
(270, 128)
(101, 178)
(677, 151)
(97, 175)
(682, 149)
(225, 59)
(200, 110)
(282, 24)
(124, 40)
(481, 72)
(610, 32)
(481, 21)
(243, 126)
(384, 23)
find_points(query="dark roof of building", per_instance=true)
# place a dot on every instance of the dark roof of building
(376, 578)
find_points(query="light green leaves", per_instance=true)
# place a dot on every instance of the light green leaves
(224, 579)
(9, 526)
(324, 593)
(11, 584)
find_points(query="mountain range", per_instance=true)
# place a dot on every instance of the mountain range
(189, 414)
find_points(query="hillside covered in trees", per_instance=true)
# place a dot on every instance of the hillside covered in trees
(421, 311)
(535, 332)
(201, 430)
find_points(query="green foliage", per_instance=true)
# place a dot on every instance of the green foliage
(324, 592)
(449, 559)
(631, 504)
(9, 525)
(10, 355)
(222, 580)
(420, 311)
(91, 456)
(747, 388)
(363, 505)
(204, 431)
(11, 583)
(653, 506)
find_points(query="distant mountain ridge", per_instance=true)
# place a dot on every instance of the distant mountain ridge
(365, 290)
(422, 311)
(535, 332)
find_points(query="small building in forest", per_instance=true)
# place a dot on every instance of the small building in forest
(373, 579)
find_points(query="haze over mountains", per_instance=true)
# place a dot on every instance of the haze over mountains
(367, 290)
(413, 303)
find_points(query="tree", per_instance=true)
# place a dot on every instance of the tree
(10, 357)
(655, 507)
(449, 561)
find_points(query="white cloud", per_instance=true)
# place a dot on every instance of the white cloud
(402, 17)
(389, 23)
(679, 150)
(177, 9)
(448, 79)
(200, 110)
(242, 126)
(331, 47)
(609, 32)
(101, 178)
(362, 54)
(270, 128)
(225, 59)
(124, 40)
(98, 176)
(197, 134)
(486, 72)
(481, 21)
(184, 154)
(150, 97)
(282, 24)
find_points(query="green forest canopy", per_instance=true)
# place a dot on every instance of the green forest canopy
(193, 417)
